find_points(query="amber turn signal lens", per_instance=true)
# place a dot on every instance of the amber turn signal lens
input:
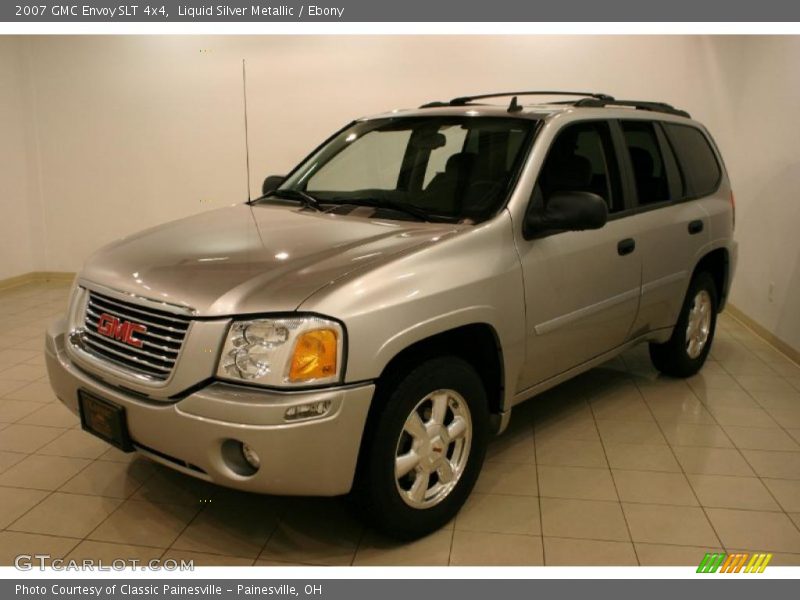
(314, 355)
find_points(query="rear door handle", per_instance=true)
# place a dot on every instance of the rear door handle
(626, 246)
(695, 227)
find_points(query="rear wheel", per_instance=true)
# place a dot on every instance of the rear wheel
(423, 451)
(686, 351)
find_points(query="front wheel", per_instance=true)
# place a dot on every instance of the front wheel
(423, 451)
(686, 351)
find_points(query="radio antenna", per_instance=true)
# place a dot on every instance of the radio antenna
(246, 136)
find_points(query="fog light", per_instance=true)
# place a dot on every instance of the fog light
(307, 411)
(250, 456)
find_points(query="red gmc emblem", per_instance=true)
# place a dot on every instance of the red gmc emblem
(123, 331)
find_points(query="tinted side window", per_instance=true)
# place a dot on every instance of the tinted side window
(649, 173)
(581, 159)
(696, 158)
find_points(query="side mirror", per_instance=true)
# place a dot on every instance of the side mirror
(570, 211)
(272, 183)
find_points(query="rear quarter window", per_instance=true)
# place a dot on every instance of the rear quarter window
(698, 163)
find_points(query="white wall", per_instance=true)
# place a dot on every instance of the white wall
(134, 131)
(21, 222)
(764, 158)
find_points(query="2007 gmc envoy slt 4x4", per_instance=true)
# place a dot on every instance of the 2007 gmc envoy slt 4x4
(369, 322)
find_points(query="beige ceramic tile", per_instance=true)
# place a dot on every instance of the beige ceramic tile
(562, 552)
(53, 414)
(494, 513)
(16, 543)
(233, 530)
(659, 524)
(570, 453)
(144, 523)
(201, 559)
(624, 432)
(318, 531)
(38, 391)
(690, 434)
(431, 550)
(712, 461)
(767, 531)
(108, 552)
(723, 491)
(42, 472)
(15, 502)
(786, 491)
(67, 515)
(589, 519)
(27, 438)
(507, 478)
(751, 438)
(658, 555)
(512, 447)
(12, 411)
(654, 487)
(779, 465)
(9, 459)
(475, 548)
(75, 443)
(576, 482)
(641, 457)
(114, 480)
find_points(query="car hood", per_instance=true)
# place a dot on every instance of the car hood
(244, 260)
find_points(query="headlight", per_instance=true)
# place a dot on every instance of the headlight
(283, 352)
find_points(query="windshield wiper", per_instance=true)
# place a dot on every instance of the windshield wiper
(304, 198)
(408, 209)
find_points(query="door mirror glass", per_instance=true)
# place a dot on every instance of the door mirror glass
(272, 183)
(571, 211)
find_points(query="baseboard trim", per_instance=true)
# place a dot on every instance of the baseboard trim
(762, 332)
(36, 277)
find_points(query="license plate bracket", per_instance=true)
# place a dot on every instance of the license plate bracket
(104, 419)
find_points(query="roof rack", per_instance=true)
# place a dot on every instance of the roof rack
(463, 100)
(587, 99)
(661, 107)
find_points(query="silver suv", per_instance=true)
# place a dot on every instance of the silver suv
(367, 323)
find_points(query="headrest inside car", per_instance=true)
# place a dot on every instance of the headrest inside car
(573, 173)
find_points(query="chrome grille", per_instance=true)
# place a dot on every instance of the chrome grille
(160, 343)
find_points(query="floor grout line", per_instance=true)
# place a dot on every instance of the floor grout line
(614, 481)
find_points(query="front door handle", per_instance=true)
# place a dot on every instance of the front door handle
(626, 246)
(695, 227)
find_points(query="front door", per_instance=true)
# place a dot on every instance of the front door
(582, 288)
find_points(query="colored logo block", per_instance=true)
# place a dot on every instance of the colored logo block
(742, 562)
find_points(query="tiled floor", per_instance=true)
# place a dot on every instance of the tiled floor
(619, 466)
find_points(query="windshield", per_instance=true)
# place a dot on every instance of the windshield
(450, 168)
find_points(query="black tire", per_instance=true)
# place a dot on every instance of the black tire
(672, 357)
(376, 492)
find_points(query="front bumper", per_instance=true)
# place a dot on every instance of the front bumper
(314, 457)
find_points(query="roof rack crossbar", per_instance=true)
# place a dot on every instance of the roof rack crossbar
(462, 100)
(662, 107)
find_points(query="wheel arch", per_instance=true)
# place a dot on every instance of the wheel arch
(476, 343)
(717, 264)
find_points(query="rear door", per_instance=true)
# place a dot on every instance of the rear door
(671, 230)
(581, 287)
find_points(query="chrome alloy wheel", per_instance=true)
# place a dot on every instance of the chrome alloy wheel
(699, 327)
(433, 448)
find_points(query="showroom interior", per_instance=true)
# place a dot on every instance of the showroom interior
(105, 136)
